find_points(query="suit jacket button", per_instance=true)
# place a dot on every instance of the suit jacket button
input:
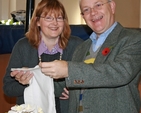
(82, 81)
(79, 81)
(75, 81)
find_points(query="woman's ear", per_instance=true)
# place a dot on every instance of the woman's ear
(37, 19)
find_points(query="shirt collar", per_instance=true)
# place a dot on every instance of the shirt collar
(97, 42)
(43, 49)
(93, 36)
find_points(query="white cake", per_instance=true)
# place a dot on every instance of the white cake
(24, 108)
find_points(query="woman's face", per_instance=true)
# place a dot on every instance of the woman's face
(51, 26)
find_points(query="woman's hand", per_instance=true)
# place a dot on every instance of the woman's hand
(22, 76)
(65, 94)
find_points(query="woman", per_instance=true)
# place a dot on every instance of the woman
(47, 39)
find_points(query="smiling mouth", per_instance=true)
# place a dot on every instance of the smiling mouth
(97, 19)
(54, 29)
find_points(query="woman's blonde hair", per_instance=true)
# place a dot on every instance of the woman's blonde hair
(44, 7)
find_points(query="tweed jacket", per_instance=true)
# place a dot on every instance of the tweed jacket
(25, 55)
(111, 82)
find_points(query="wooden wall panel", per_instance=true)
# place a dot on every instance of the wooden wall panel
(5, 102)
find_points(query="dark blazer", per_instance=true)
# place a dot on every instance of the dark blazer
(111, 83)
(25, 55)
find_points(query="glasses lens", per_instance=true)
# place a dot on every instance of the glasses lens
(86, 10)
(48, 18)
(60, 19)
(98, 6)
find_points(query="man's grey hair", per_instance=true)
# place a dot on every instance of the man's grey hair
(80, 1)
(108, 0)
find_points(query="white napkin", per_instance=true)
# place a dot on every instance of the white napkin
(40, 92)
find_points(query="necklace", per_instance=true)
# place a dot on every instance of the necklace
(60, 57)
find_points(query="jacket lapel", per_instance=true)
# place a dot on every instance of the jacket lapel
(82, 52)
(110, 43)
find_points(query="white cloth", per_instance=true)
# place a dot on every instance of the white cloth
(40, 92)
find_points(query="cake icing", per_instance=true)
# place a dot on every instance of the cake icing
(25, 108)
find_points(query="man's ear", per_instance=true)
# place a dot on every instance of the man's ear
(113, 6)
(82, 15)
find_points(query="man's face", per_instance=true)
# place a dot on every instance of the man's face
(98, 14)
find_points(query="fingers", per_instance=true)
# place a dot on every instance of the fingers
(46, 64)
(14, 73)
(65, 94)
(22, 77)
(47, 68)
(66, 91)
(56, 69)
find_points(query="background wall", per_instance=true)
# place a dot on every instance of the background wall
(73, 11)
(4, 9)
(127, 13)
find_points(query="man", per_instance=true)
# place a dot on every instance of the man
(104, 74)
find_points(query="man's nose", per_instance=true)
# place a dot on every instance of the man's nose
(93, 10)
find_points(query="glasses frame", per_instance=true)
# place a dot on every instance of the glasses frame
(96, 6)
(51, 19)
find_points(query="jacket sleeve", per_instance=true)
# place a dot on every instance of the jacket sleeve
(120, 67)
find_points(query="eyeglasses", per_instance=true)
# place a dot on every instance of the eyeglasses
(97, 6)
(50, 18)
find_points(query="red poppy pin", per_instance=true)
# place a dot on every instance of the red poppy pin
(105, 51)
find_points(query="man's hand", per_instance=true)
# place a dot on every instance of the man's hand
(56, 69)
